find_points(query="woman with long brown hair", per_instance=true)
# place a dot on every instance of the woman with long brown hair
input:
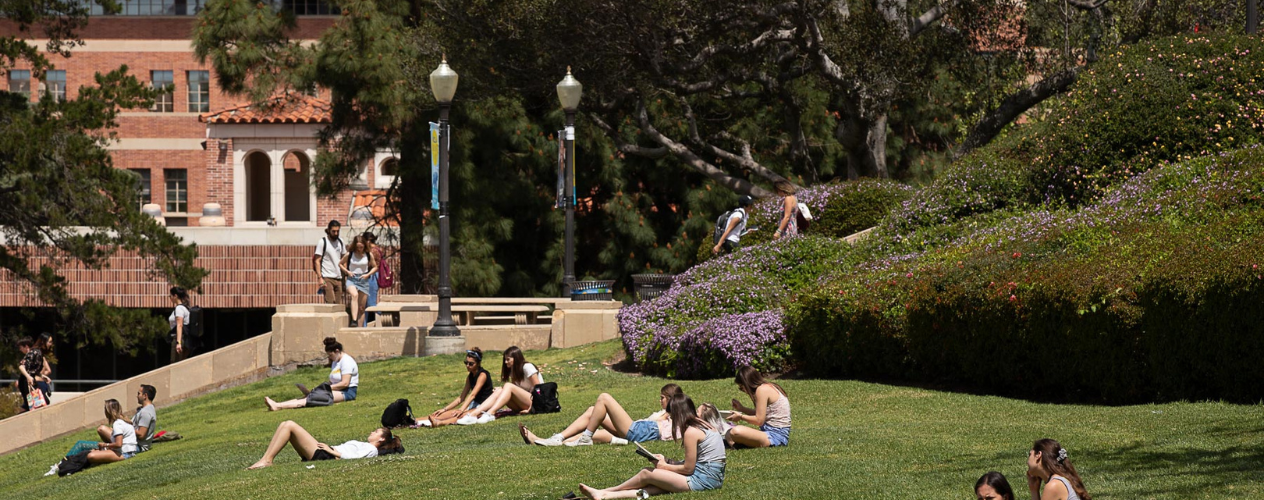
(123, 445)
(771, 412)
(789, 224)
(360, 267)
(519, 377)
(477, 390)
(702, 469)
(1049, 463)
(607, 422)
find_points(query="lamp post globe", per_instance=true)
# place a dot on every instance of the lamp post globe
(443, 84)
(569, 91)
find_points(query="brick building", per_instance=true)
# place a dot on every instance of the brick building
(198, 146)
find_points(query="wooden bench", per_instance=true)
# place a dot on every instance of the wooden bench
(523, 314)
(388, 312)
(466, 313)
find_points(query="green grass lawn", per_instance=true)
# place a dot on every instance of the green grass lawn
(850, 440)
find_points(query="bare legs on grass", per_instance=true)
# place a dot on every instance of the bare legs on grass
(292, 434)
(653, 481)
(606, 418)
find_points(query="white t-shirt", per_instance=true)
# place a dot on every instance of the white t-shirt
(352, 450)
(125, 429)
(528, 370)
(345, 366)
(736, 234)
(180, 312)
(330, 253)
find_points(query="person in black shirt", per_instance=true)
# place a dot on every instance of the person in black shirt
(478, 387)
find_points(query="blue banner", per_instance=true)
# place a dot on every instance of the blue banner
(434, 166)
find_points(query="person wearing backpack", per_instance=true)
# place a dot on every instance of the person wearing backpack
(325, 261)
(382, 279)
(179, 321)
(734, 224)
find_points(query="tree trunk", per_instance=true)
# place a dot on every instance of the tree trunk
(1252, 16)
(866, 143)
(414, 202)
(1014, 106)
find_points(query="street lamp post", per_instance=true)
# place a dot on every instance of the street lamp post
(569, 91)
(443, 83)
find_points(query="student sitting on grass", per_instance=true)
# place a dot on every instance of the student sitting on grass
(702, 469)
(380, 442)
(519, 377)
(477, 390)
(993, 486)
(122, 443)
(144, 422)
(771, 412)
(344, 379)
(1049, 463)
(606, 422)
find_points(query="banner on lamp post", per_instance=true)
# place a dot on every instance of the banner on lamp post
(561, 170)
(434, 166)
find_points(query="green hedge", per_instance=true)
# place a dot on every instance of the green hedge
(1152, 293)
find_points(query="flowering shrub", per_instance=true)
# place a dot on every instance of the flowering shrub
(726, 312)
(1150, 293)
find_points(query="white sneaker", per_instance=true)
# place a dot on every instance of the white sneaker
(553, 441)
(584, 440)
(52, 471)
(486, 418)
(618, 441)
(467, 420)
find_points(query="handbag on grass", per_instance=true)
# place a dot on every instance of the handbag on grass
(322, 395)
(35, 399)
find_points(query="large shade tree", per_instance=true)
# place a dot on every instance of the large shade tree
(62, 202)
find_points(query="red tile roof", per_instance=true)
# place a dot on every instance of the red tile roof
(375, 201)
(288, 108)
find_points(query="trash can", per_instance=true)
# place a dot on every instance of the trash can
(592, 290)
(650, 286)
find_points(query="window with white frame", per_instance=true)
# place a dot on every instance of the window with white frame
(177, 180)
(199, 91)
(164, 103)
(55, 84)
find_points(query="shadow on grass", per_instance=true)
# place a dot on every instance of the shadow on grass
(1134, 469)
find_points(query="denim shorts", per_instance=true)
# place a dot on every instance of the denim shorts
(128, 455)
(643, 431)
(777, 436)
(706, 476)
(349, 394)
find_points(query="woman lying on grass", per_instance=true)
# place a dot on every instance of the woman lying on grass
(702, 469)
(380, 442)
(1048, 463)
(771, 413)
(519, 377)
(477, 390)
(607, 422)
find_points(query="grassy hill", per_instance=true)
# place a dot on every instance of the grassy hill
(850, 440)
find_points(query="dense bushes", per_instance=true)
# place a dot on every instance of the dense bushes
(1108, 252)
(726, 313)
(1152, 293)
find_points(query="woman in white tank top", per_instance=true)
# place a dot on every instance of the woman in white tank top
(1050, 475)
(359, 266)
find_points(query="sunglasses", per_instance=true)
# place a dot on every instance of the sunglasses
(469, 363)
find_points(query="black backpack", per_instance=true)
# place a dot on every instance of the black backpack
(722, 224)
(544, 398)
(398, 414)
(192, 332)
(73, 463)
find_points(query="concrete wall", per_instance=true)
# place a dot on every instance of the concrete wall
(296, 338)
(243, 362)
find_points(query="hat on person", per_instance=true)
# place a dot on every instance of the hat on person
(745, 201)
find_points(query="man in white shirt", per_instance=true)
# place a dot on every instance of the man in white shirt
(325, 262)
(736, 227)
